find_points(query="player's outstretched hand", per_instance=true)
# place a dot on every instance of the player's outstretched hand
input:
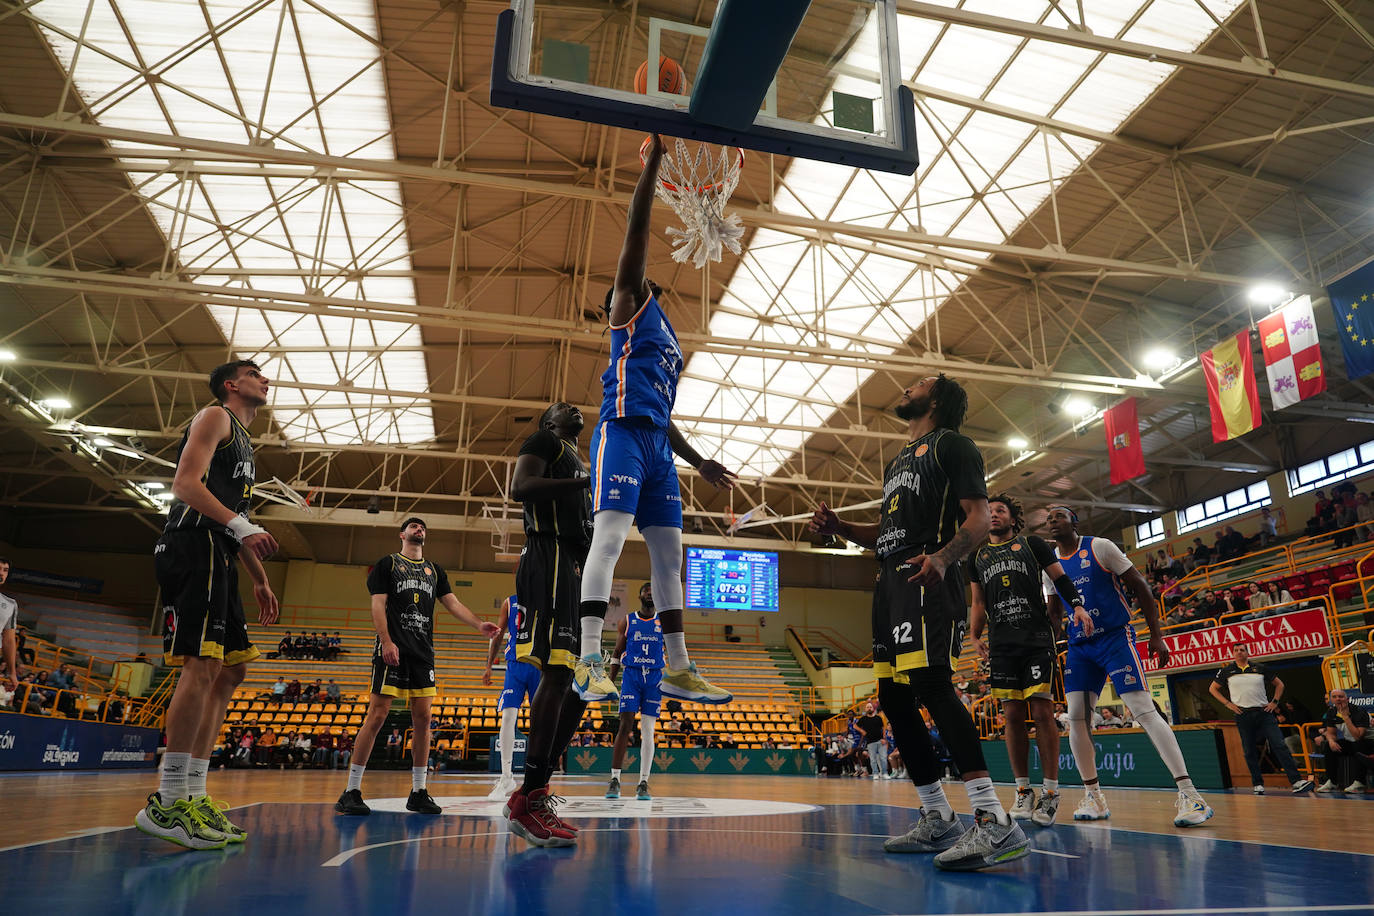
(714, 473)
(1084, 619)
(929, 569)
(824, 521)
(489, 629)
(486, 678)
(268, 608)
(1159, 650)
(390, 654)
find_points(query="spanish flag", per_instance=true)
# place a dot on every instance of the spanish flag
(1232, 393)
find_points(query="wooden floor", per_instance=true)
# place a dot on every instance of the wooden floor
(50, 806)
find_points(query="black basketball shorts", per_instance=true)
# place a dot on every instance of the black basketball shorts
(409, 678)
(548, 585)
(1021, 672)
(916, 626)
(202, 614)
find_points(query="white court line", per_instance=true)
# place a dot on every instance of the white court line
(1199, 911)
(343, 857)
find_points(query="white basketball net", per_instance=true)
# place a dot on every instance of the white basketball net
(697, 185)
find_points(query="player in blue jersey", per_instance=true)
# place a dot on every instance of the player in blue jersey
(1103, 646)
(639, 647)
(522, 680)
(633, 477)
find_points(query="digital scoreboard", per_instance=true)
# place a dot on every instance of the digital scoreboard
(731, 580)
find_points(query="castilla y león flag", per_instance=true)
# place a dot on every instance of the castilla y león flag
(1123, 441)
(1232, 393)
(1292, 355)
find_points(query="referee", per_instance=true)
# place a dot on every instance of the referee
(1241, 686)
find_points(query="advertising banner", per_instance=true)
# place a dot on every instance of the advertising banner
(720, 761)
(1301, 632)
(42, 743)
(1125, 758)
(494, 757)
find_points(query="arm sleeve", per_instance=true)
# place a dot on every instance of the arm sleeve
(1111, 557)
(544, 445)
(1043, 552)
(963, 463)
(441, 587)
(379, 578)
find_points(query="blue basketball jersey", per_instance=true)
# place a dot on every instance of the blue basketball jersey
(1103, 596)
(641, 380)
(517, 617)
(643, 642)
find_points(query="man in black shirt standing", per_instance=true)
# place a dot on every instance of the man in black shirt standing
(934, 512)
(1242, 687)
(553, 484)
(1008, 601)
(404, 588)
(872, 726)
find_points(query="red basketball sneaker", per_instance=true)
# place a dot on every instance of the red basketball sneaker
(531, 818)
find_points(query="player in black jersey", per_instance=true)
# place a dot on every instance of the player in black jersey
(404, 588)
(553, 484)
(204, 631)
(1008, 602)
(934, 511)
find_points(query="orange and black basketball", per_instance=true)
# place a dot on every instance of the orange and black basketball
(671, 77)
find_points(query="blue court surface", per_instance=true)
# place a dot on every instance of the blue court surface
(671, 856)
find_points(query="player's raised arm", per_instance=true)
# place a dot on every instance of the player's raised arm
(208, 430)
(629, 273)
(713, 472)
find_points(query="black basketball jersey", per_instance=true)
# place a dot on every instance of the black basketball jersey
(922, 487)
(411, 588)
(567, 517)
(229, 479)
(1009, 573)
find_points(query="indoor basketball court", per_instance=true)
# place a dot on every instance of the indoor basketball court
(1136, 234)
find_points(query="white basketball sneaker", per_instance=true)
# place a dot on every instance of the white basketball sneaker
(1093, 807)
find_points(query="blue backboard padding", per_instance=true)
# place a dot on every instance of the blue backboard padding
(565, 103)
(747, 44)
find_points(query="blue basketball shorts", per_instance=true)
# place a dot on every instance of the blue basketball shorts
(632, 471)
(639, 691)
(1111, 654)
(522, 680)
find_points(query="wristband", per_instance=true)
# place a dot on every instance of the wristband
(241, 528)
(1077, 602)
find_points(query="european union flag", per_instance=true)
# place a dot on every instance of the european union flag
(1352, 302)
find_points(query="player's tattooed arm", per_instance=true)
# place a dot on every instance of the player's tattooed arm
(930, 568)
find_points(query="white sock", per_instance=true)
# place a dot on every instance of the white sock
(615, 774)
(591, 635)
(508, 717)
(1051, 785)
(1186, 786)
(355, 775)
(675, 646)
(1022, 782)
(646, 744)
(195, 777)
(982, 796)
(417, 778)
(933, 799)
(172, 783)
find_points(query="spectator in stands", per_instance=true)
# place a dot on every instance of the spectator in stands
(1364, 513)
(265, 747)
(321, 644)
(1347, 514)
(335, 645)
(311, 693)
(244, 754)
(1232, 542)
(1109, 718)
(278, 692)
(302, 749)
(1323, 515)
(1202, 554)
(1155, 564)
(111, 709)
(284, 645)
(1061, 718)
(9, 636)
(1345, 730)
(300, 647)
(1267, 602)
(393, 745)
(1293, 712)
(343, 750)
(1170, 592)
(7, 695)
(331, 693)
(872, 726)
(1268, 528)
(64, 680)
(293, 692)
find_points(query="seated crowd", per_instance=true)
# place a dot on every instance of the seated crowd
(294, 693)
(1339, 513)
(318, 646)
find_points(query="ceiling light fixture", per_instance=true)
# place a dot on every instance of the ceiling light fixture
(1267, 295)
(1017, 443)
(57, 403)
(7, 356)
(1160, 358)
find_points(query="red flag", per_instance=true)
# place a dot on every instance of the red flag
(1123, 441)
